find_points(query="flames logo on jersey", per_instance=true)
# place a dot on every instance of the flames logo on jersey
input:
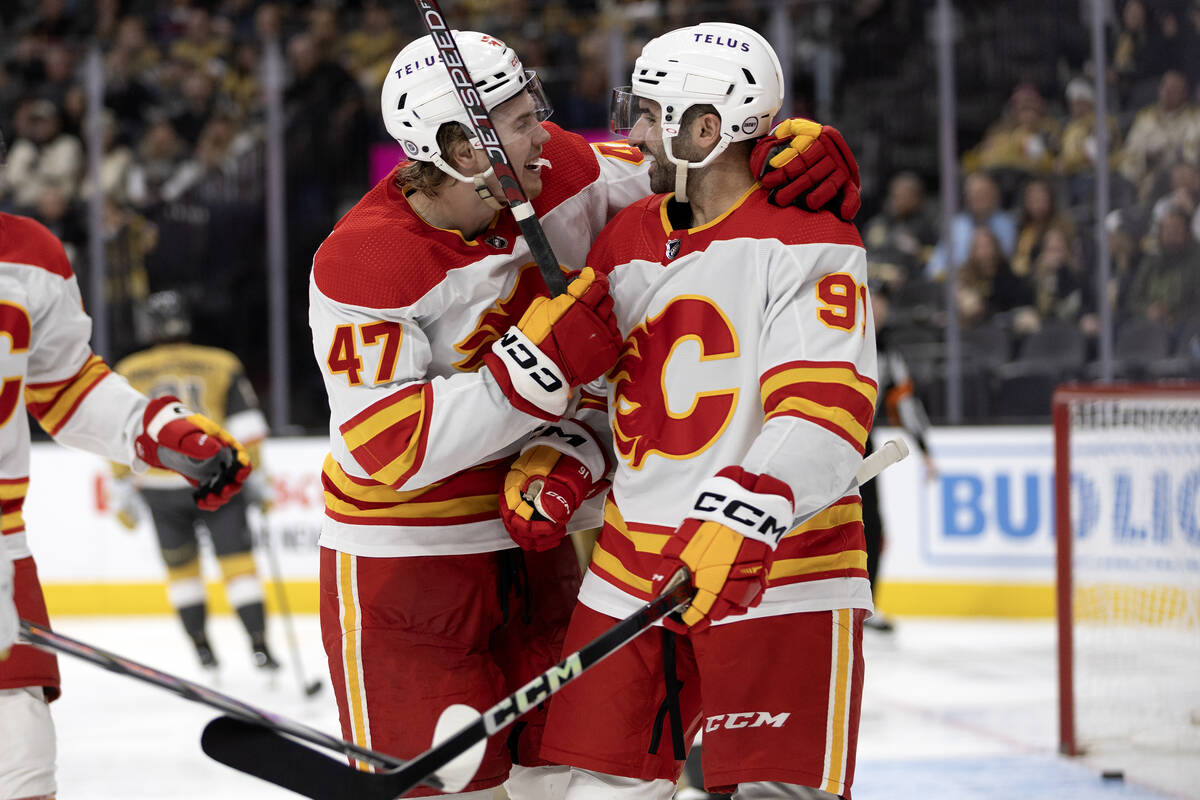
(500, 316)
(643, 422)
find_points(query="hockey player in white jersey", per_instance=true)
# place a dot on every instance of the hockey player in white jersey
(425, 597)
(742, 398)
(48, 368)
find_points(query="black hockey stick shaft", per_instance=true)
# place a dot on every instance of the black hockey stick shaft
(263, 752)
(481, 121)
(260, 751)
(46, 639)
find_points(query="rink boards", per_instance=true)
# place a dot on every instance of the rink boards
(976, 538)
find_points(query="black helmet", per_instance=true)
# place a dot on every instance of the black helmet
(167, 317)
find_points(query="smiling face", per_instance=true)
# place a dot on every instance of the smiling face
(646, 135)
(523, 136)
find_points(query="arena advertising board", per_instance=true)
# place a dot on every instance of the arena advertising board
(977, 536)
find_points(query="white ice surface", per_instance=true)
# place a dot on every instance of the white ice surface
(952, 709)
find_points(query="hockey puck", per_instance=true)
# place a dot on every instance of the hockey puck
(313, 688)
(1113, 775)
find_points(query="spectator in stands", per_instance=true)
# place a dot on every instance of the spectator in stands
(1161, 134)
(56, 210)
(1137, 57)
(240, 87)
(128, 237)
(1183, 193)
(42, 156)
(126, 94)
(1024, 140)
(1059, 289)
(133, 41)
(986, 283)
(197, 103)
(981, 209)
(1077, 157)
(160, 155)
(900, 238)
(1126, 254)
(1039, 212)
(1167, 284)
(201, 48)
(368, 50)
(58, 74)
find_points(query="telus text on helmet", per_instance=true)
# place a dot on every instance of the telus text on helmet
(420, 63)
(710, 38)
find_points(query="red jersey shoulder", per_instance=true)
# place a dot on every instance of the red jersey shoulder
(27, 241)
(757, 217)
(382, 255)
(573, 167)
(635, 232)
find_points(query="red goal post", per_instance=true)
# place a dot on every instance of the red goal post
(1127, 525)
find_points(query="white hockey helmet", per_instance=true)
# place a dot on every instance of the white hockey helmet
(418, 97)
(727, 66)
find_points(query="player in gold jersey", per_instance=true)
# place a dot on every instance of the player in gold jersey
(213, 380)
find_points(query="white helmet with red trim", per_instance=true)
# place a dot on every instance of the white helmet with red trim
(727, 66)
(418, 96)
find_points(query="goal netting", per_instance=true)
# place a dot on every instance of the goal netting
(1127, 493)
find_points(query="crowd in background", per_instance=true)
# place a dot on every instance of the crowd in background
(182, 172)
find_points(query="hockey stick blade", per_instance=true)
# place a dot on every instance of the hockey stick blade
(46, 639)
(267, 754)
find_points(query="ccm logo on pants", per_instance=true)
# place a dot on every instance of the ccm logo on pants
(745, 719)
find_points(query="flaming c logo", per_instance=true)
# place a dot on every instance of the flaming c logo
(499, 317)
(643, 423)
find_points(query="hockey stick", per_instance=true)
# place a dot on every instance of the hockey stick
(289, 628)
(46, 639)
(259, 750)
(464, 86)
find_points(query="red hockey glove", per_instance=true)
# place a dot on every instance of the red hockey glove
(806, 164)
(727, 542)
(176, 438)
(560, 342)
(557, 470)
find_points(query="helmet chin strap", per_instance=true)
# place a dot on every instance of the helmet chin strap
(682, 166)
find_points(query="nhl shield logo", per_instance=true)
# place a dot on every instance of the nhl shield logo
(498, 242)
(672, 248)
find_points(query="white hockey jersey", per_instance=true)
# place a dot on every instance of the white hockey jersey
(47, 366)
(401, 315)
(748, 341)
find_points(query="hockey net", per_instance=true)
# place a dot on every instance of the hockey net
(1127, 509)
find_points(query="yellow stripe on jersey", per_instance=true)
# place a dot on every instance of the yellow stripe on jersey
(348, 595)
(643, 541)
(791, 567)
(352, 500)
(837, 733)
(52, 404)
(832, 395)
(388, 437)
(612, 565)
(840, 514)
(12, 501)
